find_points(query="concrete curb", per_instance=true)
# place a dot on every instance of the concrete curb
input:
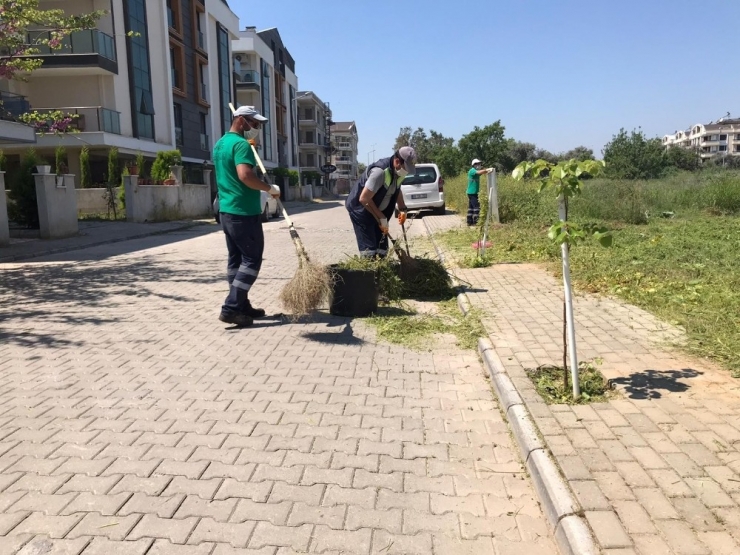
(60, 250)
(571, 531)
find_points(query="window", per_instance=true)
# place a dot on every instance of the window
(174, 17)
(308, 114)
(179, 139)
(142, 104)
(723, 137)
(202, 87)
(309, 137)
(713, 149)
(204, 139)
(177, 68)
(199, 36)
(737, 137)
(266, 96)
(723, 148)
(737, 148)
(224, 77)
(310, 160)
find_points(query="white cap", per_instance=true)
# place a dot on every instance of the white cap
(249, 112)
(475, 161)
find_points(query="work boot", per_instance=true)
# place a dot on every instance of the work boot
(237, 319)
(252, 312)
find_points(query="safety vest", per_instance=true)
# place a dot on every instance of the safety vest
(391, 187)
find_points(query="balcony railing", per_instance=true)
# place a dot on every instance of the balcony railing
(179, 139)
(205, 143)
(13, 105)
(247, 76)
(90, 41)
(342, 159)
(344, 145)
(90, 119)
(201, 40)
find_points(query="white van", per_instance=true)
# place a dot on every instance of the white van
(424, 189)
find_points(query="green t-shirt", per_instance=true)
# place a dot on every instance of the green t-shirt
(473, 182)
(234, 197)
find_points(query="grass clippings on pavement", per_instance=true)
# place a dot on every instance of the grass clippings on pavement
(549, 383)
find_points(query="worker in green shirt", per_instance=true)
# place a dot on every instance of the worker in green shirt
(473, 190)
(240, 209)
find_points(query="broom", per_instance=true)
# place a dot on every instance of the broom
(312, 284)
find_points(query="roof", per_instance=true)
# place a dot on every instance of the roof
(273, 40)
(340, 126)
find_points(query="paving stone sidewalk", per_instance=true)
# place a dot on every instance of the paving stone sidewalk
(657, 471)
(133, 423)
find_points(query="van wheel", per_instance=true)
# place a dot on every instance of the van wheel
(439, 211)
(265, 216)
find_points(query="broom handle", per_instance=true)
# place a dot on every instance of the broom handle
(293, 233)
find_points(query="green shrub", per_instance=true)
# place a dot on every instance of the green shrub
(85, 179)
(3, 161)
(140, 161)
(114, 168)
(163, 162)
(24, 209)
(60, 160)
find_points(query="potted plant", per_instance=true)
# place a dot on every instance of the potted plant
(294, 179)
(43, 167)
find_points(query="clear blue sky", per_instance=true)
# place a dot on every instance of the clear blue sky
(558, 73)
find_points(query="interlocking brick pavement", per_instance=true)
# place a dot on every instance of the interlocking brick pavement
(132, 422)
(657, 470)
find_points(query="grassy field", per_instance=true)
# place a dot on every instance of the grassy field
(676, 251)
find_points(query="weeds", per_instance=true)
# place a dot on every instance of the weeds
(548, 381)
(411, 330)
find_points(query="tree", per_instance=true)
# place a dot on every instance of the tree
(634, 156)
(449, 160)
(361, 168)
(20, 46)
(516, 153)
(564, 179)
(681, 158)
(487, 144)
(580, 153)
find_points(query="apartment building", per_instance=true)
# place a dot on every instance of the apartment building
(720, 138)
(264, 76)
(154, 75)
(344, 147)
(314, 122)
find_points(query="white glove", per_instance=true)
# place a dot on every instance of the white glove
(383, 225)
(274, 191)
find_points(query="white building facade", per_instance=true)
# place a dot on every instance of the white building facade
(154, 75)
(720, 138)
(264, 76)
(344, 140)
(314, 121)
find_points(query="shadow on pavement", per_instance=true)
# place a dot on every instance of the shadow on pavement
(38, 298)
(649, 383)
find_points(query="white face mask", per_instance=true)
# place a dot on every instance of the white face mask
(252, 134)
(402, 172)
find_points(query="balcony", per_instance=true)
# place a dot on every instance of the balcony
(347, 146)
(201, 41)
(90, 51)
(205, 143)
(342, 159)
(247, 79)
(88, 119)
(13, 105)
